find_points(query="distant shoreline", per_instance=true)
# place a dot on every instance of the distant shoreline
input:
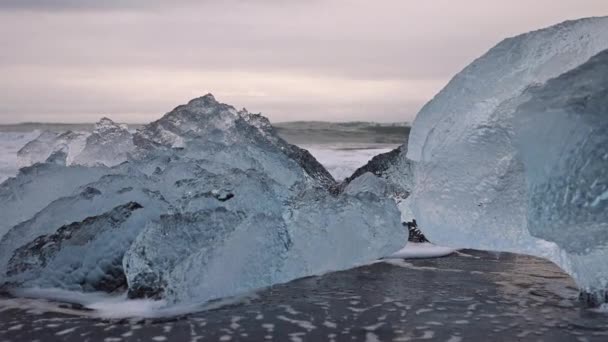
(278, 123)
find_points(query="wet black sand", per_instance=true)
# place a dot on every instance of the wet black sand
(473, 296)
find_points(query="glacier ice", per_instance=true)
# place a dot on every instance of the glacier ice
(78, 256)
(10, 144)
(561, 136)
(36, 186)
(481, 182)
(397, 172)
(48, 143)
(207, 201)
(392, 166)
(225, 126)
(92, 200)
(108, 144)
(206, 254)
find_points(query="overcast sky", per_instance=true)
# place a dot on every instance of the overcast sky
(333, 60)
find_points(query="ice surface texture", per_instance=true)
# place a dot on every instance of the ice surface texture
(206, 202)
(48, 143)
(108, 144)
(561, 134)
(503, 149)
(394, 170)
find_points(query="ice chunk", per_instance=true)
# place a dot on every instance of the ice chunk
(37, 186)
(59, 157)
(368, 182)
(392, 166)
(82, 255)
(471, 97)
(471, 185)
(94, 200)
(204, 119)
(109, 144)
(467, 178)
(48, 143)
(561, 135)
(10, 144)
(208, 202)
(333, 233)
(218, 252)
(206, 254)
(396, 169)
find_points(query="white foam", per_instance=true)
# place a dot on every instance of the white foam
(601, 309)
(103, 305)
(421, 251)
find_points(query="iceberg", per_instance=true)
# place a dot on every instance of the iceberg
(206, 202)
(488, 165)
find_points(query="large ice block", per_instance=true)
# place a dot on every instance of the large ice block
(487, 178)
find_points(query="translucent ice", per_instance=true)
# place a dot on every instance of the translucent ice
(397, 172)
(47, 143)
(472, 187)
(218, 252)
(109, 144)
(205, 202)
(81, 255)
(74, 210)
(206, 120)
(561, 135)
(36, 186)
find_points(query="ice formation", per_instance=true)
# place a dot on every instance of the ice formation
(561, 135)
(109, 144)
(206, 202)
(396, 170)
(10, 144)
(508, 155)
(392, 166)
(48, 143)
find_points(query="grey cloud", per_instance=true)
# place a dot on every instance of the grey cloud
(338, 59)
(114, 5)
(61, 5)
(245, 38)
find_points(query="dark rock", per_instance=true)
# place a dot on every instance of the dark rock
(593, 299)
(415, 235)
